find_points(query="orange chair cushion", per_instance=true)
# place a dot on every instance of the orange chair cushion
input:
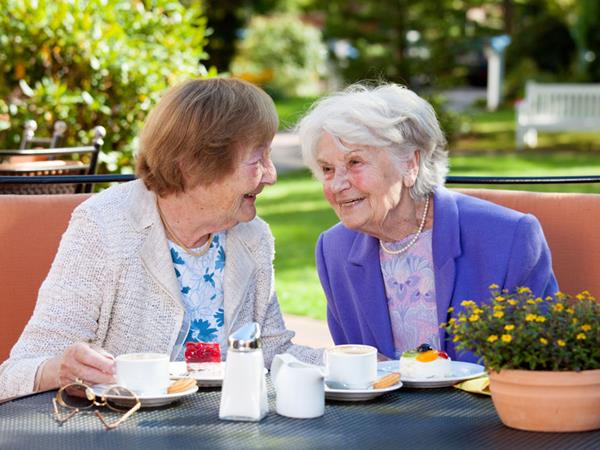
(30, 230)
(571, 224)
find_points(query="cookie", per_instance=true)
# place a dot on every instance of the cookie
(181, 385)
(386, 381)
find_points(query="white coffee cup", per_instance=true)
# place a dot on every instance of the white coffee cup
(146, 374)
(352, 365)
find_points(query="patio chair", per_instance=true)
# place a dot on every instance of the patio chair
(29, 140)
(85, 165)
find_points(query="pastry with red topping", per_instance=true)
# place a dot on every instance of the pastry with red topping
(197, 354)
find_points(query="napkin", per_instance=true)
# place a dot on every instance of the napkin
(479, 385)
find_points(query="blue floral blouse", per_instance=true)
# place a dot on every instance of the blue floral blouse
(201, 283)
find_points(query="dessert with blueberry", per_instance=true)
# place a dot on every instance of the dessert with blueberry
(425, 362)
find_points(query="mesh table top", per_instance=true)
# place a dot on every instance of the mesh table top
(406, 418)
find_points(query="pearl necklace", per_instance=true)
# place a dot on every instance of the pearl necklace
(203, 249)
(415, 237)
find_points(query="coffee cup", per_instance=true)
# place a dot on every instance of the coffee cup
(146, 374)
(352, 366)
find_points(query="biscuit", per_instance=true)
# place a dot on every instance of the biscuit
(181, 385)
(386, 381)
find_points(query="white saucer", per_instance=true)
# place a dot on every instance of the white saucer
(460, 371)
(209, 375)
(146, 401)
(357, 395)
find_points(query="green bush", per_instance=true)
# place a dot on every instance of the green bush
(98, 62)
(282, 54)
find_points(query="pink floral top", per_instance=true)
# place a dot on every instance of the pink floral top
(410, 290)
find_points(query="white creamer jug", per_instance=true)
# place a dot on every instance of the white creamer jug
(244, 392)
(299, 387)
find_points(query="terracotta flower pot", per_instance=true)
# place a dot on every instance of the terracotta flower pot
(547, 401)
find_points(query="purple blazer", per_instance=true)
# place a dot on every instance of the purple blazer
(475, 244)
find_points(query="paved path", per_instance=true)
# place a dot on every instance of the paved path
(311, 332)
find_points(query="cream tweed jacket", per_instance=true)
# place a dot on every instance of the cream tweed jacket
(112, 284)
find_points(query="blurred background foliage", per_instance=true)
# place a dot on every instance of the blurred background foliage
(94, 62)
(105, 62)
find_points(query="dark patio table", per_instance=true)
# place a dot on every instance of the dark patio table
(406, 418)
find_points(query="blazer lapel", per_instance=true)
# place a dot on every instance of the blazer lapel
(369, 293)
(239, 270)
(155, 253)
(446, 248)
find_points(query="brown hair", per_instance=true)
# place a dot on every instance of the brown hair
(199, 126)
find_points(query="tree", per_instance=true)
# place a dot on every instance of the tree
(98, 62)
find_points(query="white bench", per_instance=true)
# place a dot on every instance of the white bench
(557, 107)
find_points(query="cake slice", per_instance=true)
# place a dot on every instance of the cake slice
(199, 354)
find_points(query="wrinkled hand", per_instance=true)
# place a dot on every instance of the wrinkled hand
(82, 361)
(92, 365)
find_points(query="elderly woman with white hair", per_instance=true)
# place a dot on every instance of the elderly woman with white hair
(407, 249)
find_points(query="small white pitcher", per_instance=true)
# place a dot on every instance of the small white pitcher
(299, 387)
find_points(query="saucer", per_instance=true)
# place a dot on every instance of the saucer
(146, 401)
(358, 395)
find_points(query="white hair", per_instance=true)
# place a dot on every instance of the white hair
(388, 116)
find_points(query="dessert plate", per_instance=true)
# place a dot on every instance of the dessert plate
(460, 371)
(146, 401)
(208, 375)
(357, 395)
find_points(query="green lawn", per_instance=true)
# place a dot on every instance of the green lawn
(290, 110)
(297, 212)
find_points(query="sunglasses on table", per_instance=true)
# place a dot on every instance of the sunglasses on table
(78, 396)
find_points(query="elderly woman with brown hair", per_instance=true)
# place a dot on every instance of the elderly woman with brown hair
(175, 256)
(407, 249)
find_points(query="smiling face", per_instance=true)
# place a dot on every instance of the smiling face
(232, 199)
(365, 186)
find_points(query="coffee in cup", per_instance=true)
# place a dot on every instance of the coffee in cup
(352, 365)
(146, 374)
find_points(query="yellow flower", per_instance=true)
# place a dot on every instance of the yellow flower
(543, 340)
(560, 295)
(462, 319)
(499, 298)
(586, 327)
(512, 302)
(581, 336)
(539, 300)
(561, 343)
(499, 314)
(456, 338)
(451, 321)
(498, 307)
(506, 338)
(492, 338)
(477, 310)
(574, 320)
(549, 298)
(540, 319)
(467, 303)
(524, 290)
(531, 301)
(473, 318)
(451, 309)
(558, 307)
(530, 317)
(570, 311)
(494, 286)
(509, 327)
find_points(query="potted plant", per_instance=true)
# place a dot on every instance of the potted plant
(542, 355)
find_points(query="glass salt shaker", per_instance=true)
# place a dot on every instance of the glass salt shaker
(244, 392)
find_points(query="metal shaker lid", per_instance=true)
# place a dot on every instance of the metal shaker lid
(246, 339)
